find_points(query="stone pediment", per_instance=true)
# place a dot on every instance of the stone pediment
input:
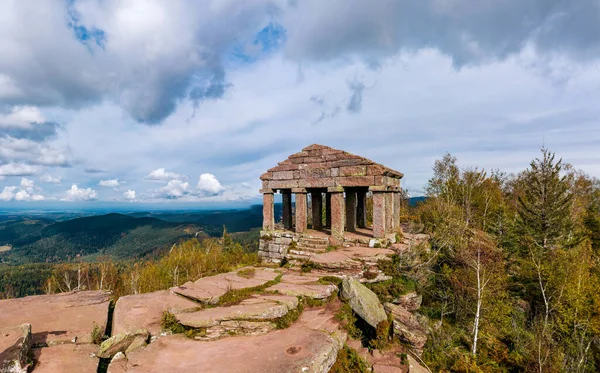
(319, 166)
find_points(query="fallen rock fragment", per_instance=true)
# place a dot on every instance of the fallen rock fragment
(363, 301)
(120, 343)
(15, 346)
(407, 327)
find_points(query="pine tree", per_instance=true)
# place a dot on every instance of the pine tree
(544, 203)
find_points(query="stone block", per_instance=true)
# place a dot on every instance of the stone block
(284, 167)
(297, 160)
(315, 173)
(317, 182)
(335, 172)
(283, 184)
(315, 153)
(390, 181)
(379, 215)
(266, 176)
(283, 175)
(353, 171)
(313, 159)
(354, 181)
(350, 162)
(301, 154)
(375, 169)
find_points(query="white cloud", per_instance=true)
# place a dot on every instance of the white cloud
(130, 195)
(8, 193)
(23, 117)
(27, 184)
(24, 193)
(50, 179)
(208, 183)
(18, 169)
(175, 189)
(109, 183)
(80, 194)
(160, 174)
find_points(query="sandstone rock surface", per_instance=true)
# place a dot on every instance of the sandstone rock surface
(363, 301)
(15, 345)
(255, 308)
(348, 258)
(65, 358)
(309, 345)
(210, 289)
(58, 318)
(144, 311)
(304, 290)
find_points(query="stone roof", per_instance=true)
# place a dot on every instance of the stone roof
(319, 166)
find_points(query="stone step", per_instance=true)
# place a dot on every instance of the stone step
(307, 250)
(318, 241)
(312, 245)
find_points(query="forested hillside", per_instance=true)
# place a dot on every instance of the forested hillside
(512, 282)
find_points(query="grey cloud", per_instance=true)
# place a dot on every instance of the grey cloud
(93, 171)
(355, 102)
(36, 131)
(467, 31)
(149, 59)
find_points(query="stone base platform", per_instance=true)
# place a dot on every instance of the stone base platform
(278, 244)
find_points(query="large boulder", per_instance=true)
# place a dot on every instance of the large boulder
(363, 301)
(407, 326)
(15, 345)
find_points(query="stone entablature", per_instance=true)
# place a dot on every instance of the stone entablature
(337, 183)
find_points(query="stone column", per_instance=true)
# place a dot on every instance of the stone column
(379, 214)
(286, 198)
(350, 210)
(361, 209)
(328, 209)
(268, 211)
(317, 209)
(337, 214)
(397, 202)
(301, 208)
(389, 212)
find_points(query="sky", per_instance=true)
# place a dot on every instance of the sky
(187, 103)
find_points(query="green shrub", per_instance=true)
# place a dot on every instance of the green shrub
(98, 335)
(349, 361)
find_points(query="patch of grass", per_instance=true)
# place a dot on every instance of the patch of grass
(246, 272)
(348, 320)
(308, 266)
(331, 248)
(235, 296)
(383, 335)
(266, 237)
(370, 275)
(292, 245)
(169, 322)
(98, 335)
(289, 318)
(330, 280)
(389, 290)
(349, 361)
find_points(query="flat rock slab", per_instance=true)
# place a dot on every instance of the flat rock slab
(255, 308)
(210, 289)
(296, 277)
(58, 318)
(144, 311)
(304, 290)
(65, 358)
(310, 345)
(351, 257)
